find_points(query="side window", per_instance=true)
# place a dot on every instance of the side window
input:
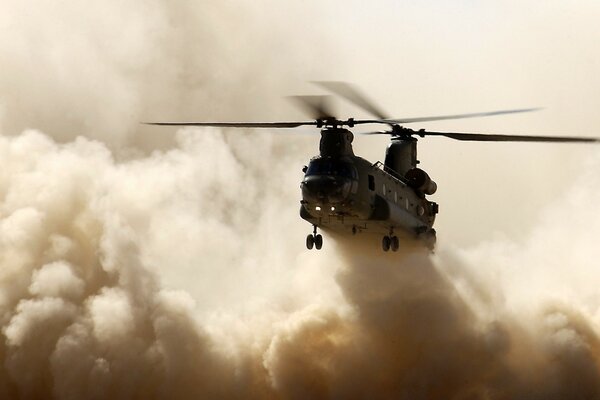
(371, 182)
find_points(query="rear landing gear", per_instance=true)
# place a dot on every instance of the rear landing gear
(314, 240)
(386, 243)
(390, 242)
(395, 243)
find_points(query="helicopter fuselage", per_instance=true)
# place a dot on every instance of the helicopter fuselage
(346, 193)
(368, 200)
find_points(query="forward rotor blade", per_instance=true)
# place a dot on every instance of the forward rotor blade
(353, 95)
(236, 124)
(481, 137)
(442, 117)
(318, 107)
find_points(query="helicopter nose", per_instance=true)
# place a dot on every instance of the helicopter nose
(323, 188)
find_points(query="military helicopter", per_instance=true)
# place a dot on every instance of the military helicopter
(346, 193)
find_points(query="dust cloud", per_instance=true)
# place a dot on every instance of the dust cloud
(143, 264)
(99, 70)
(126, 280)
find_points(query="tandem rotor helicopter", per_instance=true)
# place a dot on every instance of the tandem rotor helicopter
(346, 193)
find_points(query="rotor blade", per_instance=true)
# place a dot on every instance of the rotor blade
(236, 124)
(442, 117)
(318, 107)
(462, 116)
(353, 95)
(374, 133)
(481, 137)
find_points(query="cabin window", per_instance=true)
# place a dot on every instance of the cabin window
(331, 167)
(371, 182)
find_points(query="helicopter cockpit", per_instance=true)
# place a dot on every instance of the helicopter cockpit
(328, 180)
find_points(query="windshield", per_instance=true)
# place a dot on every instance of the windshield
(331, 167)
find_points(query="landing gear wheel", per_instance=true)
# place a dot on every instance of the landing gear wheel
(310, 242)
(386, 242)
(318, 242)
(395, 243)
(314, 240)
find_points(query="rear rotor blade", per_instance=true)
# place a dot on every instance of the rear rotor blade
(236, 124)
(441, 117)
(481, 137)
(353, 95)
(460, 116)
(376, 133)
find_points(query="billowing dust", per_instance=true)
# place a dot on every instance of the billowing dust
(151, 279)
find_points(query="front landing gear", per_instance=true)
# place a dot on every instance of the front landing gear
(314, 240)
(390, 242)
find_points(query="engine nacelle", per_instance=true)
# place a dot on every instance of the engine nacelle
(401, 156)
(419, 180)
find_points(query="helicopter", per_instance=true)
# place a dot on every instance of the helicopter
(346, 193)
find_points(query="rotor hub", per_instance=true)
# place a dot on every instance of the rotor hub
(334, 123)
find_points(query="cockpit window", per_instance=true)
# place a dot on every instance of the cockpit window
(331, 167)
